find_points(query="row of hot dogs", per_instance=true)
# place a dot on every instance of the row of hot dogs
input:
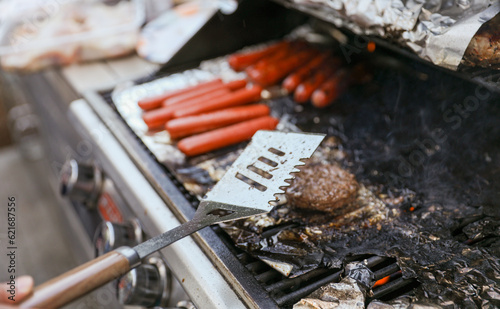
(216, 114)
(209, 116)
(308, 73)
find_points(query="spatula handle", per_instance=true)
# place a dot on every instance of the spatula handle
(81, 280)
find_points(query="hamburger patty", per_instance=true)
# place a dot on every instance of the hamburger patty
(323, 187)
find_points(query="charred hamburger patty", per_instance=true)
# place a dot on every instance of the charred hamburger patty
(323, 187)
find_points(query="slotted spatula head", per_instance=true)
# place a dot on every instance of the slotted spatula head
(261, 170)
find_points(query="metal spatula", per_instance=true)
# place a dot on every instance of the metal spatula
(245, 190)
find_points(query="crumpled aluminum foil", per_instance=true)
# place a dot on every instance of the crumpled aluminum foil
(346, 294)
(125, 98)
(436, 30)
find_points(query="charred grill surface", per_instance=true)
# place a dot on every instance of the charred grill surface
(430, 151)
(425, 153)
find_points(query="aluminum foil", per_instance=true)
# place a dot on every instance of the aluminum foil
(346, 294)
(436, 30)
(159, 143)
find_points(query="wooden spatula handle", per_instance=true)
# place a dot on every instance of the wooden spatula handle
(79, 281)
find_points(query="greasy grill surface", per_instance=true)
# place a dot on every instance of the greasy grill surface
(287, 291)
(428, 147)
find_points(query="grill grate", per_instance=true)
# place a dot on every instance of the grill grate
(287, 291)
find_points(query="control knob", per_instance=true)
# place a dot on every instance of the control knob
(147, 285)
(110, 236)
(81, 182)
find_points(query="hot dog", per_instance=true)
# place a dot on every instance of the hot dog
(238, 97)
(337, 84)
(232, 85)
(201, 123)
(256, 71)
(282, 68)
(156, 101)
(304, 90)
(218, 138)
(240, 61)
(331, 89)
(158, 117)
(294, 79)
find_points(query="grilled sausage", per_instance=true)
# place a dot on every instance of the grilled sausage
(232, 85)
(219, 138)
(282, 68)
(238, 97)
(294, 79)
(156, 101)
(240, 61)
(330, 90)
(181, 127)
(158, 117)
(304, 90)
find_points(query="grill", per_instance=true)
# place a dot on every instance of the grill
(393, 132)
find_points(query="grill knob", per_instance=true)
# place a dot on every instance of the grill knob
(80, 182)
(109, 236)
(147, 285)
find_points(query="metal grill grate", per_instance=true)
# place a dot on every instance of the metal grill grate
(287, 291)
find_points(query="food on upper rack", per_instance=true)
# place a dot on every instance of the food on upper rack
(186, 126)
(484, 48)
(149, 103)
(219, 138)
(337, 84)
(74, 32)
(323, 187)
